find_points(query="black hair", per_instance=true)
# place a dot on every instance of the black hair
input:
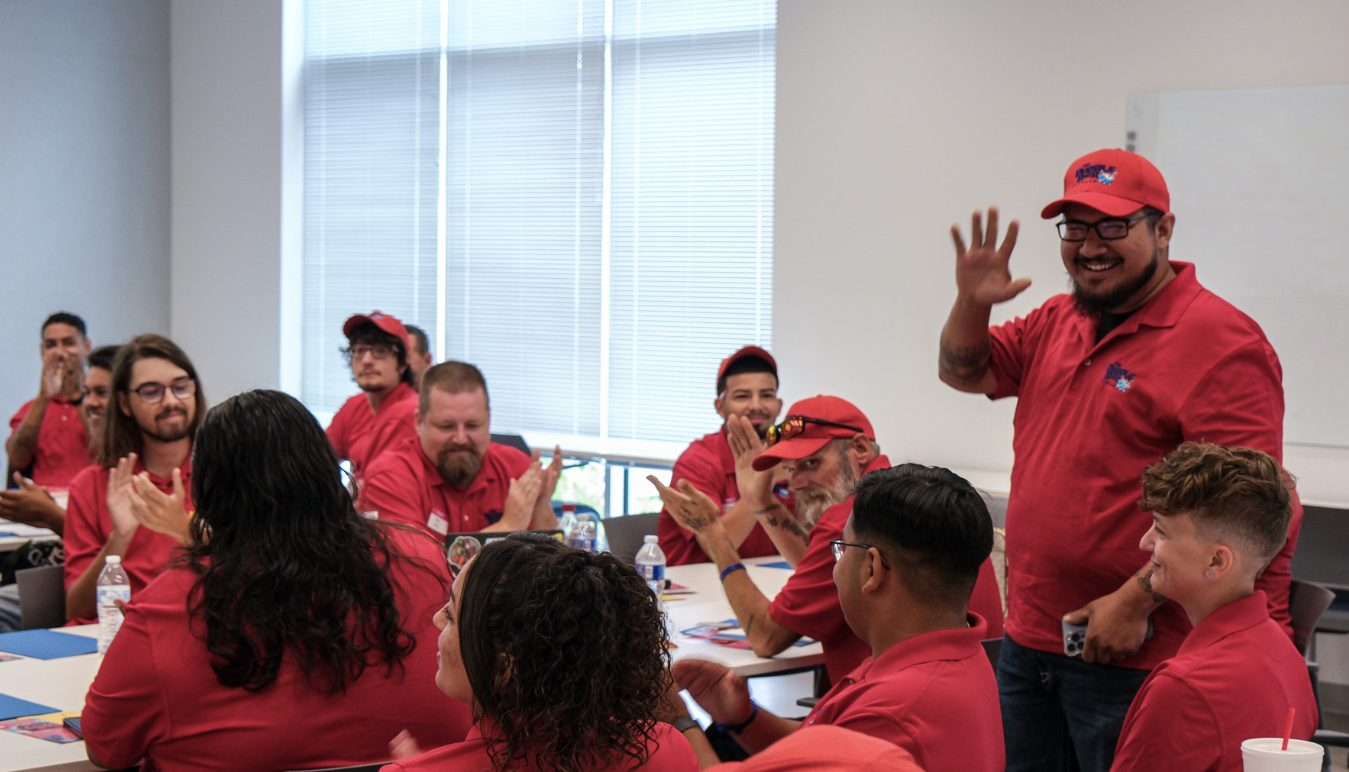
(103, 357)
(65, 317)
(286, 567)
(934, 524)
(420, 335)
(370, 334)
(566, 653)
(747, 364)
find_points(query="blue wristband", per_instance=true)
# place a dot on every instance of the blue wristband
(740, 727)
(732, 568)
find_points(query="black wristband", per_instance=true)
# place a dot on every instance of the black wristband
(740, 727)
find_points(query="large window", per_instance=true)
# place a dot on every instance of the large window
(574, 195)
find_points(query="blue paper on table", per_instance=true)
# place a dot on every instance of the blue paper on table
(13, 707)
(3, 534)
(778, 564)
(46, 644)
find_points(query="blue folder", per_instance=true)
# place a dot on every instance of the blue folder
(13, 707)
(46, 644)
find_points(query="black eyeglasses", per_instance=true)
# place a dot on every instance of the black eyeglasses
(1109, 229)
(377, 350)
(794, 425)
(153, 393)
(838, 545)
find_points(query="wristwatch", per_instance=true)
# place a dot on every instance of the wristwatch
(685, 723)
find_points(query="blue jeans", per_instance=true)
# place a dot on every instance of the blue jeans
(1060, 713)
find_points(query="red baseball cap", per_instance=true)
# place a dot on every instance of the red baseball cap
(816, 436)
(1115, 182)
(747, 351)
(381, 320)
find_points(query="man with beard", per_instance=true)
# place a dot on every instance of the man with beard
(31, 503)
(451, 476)
(377, 350)
(135, 502)
(719, 463)
(1138, 359)
(826, 445)
(49, 435)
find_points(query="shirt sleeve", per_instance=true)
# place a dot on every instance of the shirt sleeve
(392, 490)
(124, 711)
(83, 537)
(1007, 355)
(18, 417)
(679, 544)
(337, 433)
(1167, 721)
(1238, 403)
(881, 726)
(808, 603)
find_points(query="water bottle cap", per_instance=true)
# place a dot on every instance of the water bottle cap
(650, 539)
(113, 559)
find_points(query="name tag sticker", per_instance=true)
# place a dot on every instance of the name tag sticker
(437, 522)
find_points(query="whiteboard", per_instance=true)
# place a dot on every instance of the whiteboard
(1259, 182)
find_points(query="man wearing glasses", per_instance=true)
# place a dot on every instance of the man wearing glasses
(135, 501)
(377, 350)
(826, 444)
(1138, 359)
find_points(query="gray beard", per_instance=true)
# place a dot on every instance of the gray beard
(812, 503)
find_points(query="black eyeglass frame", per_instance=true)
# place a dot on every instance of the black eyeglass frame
(778, 432)
(177, 385)
(836, 546)
(1095, 226)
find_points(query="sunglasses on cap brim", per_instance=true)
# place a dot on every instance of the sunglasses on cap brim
(795, 426)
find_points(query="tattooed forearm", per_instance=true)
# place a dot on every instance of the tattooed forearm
(1145, 581)
(964, 365)
(790, 526)
(774, 505)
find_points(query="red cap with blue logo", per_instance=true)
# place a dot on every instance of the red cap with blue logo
(1115, 182)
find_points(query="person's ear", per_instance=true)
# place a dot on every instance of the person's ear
(1220, 561)
(875, 574)
(718, 404)
(1165, 227)
(124, 403)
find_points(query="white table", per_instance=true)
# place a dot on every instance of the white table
(22, 535)
(60, 683)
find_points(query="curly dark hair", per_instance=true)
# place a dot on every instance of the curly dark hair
(370, 334)
(283, 560)
(566, 653)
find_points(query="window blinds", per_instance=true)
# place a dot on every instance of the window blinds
(606, 197)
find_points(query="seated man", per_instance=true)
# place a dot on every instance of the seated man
(49, 435)
(826, 445)
(142, 477)
(33, 504)
(1219, 516)
(451, 476)
(909, 558)
(377, 350)
(747, 388)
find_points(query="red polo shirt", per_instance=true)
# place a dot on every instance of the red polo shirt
(157, 697)
(355, 423)
(1091, 416)
(808, 603)
(1234, 678)
(708, 464)
(824, 748)
(62, 443)
(934, 695)
(88, 526)
(670, 752)
(404, 486)
(392, 428)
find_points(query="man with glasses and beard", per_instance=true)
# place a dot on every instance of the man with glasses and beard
(134, 501)
(451, 477)
(1138, 359)
(754, 513)
(826, 445)
(377, 351)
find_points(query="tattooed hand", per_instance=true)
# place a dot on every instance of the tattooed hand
(689, 506)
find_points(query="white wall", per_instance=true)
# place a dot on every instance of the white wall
(84, 175)
(896, 120)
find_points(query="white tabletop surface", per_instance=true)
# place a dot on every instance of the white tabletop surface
(60, 683)
(22, 535)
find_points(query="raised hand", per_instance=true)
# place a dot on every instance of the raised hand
(756, 488)
(53, 373)
(982, 274)
(716, 688)
(31, 504)
(689, 506)
(124, 522)
(521, 497)
(159, 511)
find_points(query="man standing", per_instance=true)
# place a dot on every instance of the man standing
(377, 350)
(143, 475)
(451, 477)
(1138, 359)
(747, 401)
(826, 445)
(49, 436)
(419, 354)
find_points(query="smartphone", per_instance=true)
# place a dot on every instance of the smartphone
(73, 724)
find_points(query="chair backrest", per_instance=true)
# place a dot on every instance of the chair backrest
(993, 648)
(626, 533)
(1307, 602)
(42, 597)
(513, 440)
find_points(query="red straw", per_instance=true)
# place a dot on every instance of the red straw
(1288, 728)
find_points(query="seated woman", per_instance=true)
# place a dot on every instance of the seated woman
(562, 654)
(292, 634)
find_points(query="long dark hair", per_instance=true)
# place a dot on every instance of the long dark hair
(566, 653)
(121, 433)
(283, 560)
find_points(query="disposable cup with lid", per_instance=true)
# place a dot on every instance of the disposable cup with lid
(1265, 754)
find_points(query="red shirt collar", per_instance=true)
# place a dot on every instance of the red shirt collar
(935, 646)
(1236, 616)
(1164, 310)
(400, 392)
(877, 463)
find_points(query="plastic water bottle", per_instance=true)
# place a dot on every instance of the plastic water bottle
(112, 584)
(651, 564)
(567, 522)
(583, 533)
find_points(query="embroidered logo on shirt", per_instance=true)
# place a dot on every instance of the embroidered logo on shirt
(1103, 174)
(492, 517)
(1118, 376)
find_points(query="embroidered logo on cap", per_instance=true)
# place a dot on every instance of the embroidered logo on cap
(1100, 172)
(1118, 376)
